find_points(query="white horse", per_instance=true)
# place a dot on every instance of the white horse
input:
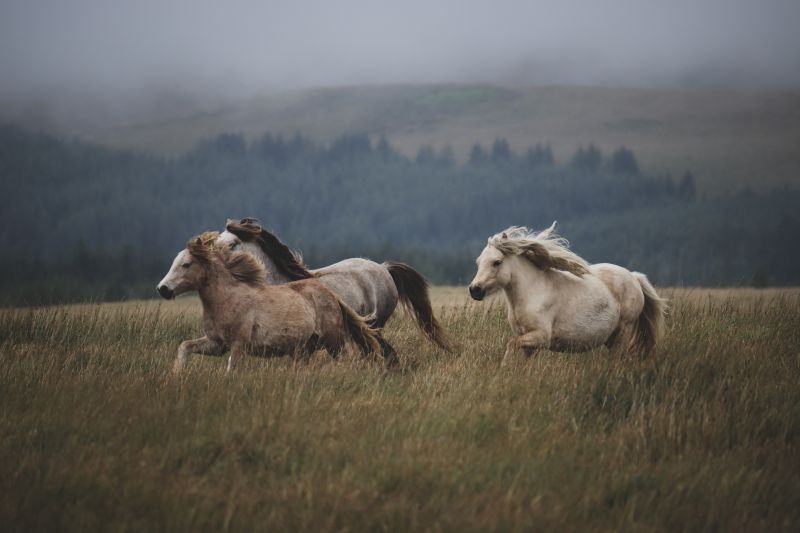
(557, 301)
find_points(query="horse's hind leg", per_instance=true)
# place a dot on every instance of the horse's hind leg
(305, 351)
(620, 340)
(390, 358)
(333, 344)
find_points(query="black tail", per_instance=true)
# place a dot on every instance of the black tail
(363, 336)
(413, 290)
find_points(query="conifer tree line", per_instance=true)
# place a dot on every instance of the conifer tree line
(82, 221)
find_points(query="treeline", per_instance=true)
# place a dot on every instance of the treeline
(106, 222)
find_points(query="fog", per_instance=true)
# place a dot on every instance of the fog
(233, 48)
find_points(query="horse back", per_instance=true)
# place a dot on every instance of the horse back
(364, 285)
(322, 302)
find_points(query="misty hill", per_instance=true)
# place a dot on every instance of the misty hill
(729, 138)
(81, 220)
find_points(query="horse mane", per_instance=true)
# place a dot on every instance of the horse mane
(287, 261)
(242, 265)
(202, 246)
(545, 249)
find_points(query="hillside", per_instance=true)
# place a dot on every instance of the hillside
(729, 138)
(102, 223)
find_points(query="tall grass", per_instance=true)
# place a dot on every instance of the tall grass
(96, 433)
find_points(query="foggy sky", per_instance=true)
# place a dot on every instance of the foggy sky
(243, 46)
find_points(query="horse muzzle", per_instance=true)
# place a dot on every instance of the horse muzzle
(165, 292)
(477, 292)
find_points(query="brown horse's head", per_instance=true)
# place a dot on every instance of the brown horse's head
(189, 268)
(206, 257)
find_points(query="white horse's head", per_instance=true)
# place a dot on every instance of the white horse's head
(543, 251)
(235, 243)
(281, 264)
(494, 273)
(188, 269)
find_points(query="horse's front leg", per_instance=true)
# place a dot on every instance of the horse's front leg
(528, 343)
(203, 345)
(238, 349)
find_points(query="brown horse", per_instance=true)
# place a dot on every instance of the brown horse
(371, 289)
(241, 312)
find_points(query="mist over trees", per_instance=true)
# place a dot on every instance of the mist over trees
(81, 221)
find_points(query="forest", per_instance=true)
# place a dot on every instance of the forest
(82, 222)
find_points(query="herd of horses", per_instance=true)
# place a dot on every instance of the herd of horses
(259, 298)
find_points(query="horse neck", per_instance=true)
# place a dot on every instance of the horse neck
(216, 290)
(273, 275)
(526, 280)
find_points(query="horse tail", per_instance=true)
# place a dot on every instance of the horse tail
(365, 337)
(412, 288)
(650, 325)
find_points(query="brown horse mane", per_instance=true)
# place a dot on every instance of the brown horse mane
(202, 246)
(242, 265)
(288, 262)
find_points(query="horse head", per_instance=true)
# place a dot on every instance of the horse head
(493, 274)
(189, 268)
(543, 251)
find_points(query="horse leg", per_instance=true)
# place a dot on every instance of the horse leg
(237, 353)
(203, 345)
(334, 344)
(390, 358)
(528, 343)
(304, 352)
(620, 340)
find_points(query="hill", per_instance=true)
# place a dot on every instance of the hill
(100, 222)
(728, 138)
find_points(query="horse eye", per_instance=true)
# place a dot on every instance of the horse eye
(498, 262)
(186, 265)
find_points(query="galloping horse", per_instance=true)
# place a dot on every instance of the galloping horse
(241, 312)
(557, 301)
(372, 290)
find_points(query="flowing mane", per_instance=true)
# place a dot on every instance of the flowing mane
(202, 246)
(242, 265)
(545, 249)
(288, 262)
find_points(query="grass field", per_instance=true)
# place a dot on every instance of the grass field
(728, 138)
(96, 433)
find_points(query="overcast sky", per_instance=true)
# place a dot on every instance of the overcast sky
(251, 46)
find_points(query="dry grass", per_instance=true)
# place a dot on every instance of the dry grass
(95, 433)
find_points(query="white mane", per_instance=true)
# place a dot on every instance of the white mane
(545, 249)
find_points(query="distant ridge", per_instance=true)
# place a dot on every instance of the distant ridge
(729, 138)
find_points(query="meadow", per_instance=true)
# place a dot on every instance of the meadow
(96, 433)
